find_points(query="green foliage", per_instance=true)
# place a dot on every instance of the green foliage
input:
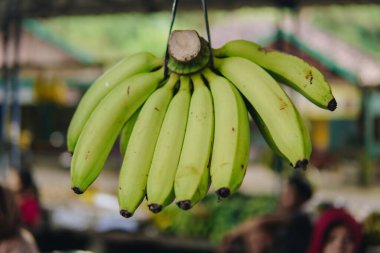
(211, 218)
(111, 37)
(371, 229)
(114, 36)
(358, 25)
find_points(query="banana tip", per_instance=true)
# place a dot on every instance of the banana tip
(223, 192)
(332, 105)
(185, 204)
(155, 208)
(301, 164)
(125, 214)
(77, 190)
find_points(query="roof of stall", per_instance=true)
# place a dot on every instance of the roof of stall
(49, 8)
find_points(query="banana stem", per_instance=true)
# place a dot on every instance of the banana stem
(189, 53)
(171, 83)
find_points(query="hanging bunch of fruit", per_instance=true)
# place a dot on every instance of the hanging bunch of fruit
(186, 127)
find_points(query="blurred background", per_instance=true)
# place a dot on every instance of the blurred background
(51, 52)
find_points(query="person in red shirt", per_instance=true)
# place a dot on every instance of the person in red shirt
(22, 183)
(13, 237)
(336, 231)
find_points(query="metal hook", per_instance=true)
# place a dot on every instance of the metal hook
(174, 13)
(205, 13)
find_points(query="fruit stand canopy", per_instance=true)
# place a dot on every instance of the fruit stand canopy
(48, 8)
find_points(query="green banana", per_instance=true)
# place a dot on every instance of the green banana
(127, 131)
(132, 65)
(286, 68)
(272, 143)
(230, 152)
(306, 140)
(192, 177)
(160, 191)
(105, 123)
(273, 109)
(138, 156)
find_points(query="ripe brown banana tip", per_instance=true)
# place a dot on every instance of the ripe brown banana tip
(332, 105)
(301, 164)
(155, 208)
(184, 204)
(223, 193)
(77, 190)
(126, 214)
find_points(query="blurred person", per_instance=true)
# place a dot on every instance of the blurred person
(13, 238)
(336, 231)
(295, 233)
(286, 231)
(21, 182)
(253, 236)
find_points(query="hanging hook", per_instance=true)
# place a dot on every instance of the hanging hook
(174, 13)
(205, 13)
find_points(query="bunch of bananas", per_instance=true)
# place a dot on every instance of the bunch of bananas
(183, 132)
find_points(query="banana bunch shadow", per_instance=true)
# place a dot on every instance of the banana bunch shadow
(181, 134)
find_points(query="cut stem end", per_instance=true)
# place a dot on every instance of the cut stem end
(189, 53)
(332, 105)
(155, 208)
(185, 204)
(223, 192)
(77, 190)
(301, 164)
(126, 214)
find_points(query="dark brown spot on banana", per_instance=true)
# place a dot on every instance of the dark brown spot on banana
(264, 50)
(233, 129)
(155, 108)
(309, 76)
(283, 104)
(128, 90)
(87, 155)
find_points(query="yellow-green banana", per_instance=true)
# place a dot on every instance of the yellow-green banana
(126, 132)
(273, 109)
(286, 68)
(272, 143)
(230, 152)
(138, 156)
(192, 177)
(138, 63)
(160, 186)
(104, 125)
